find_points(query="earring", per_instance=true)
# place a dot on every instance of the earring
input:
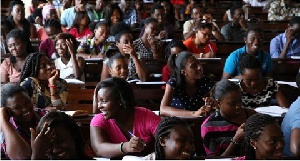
(254, 148)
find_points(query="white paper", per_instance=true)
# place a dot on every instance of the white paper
(295, 57)
(93, 59)
(293, 84)
(74, 81)
(275, 111)
(159, 83)
(209, 58)
(131, 158)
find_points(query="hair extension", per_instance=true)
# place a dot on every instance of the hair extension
(53, 23)
(249, 61)
(31, 66)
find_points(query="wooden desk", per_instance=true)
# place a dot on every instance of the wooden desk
(93, 69)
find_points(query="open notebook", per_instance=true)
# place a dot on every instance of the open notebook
(274, 111)
(77, 113)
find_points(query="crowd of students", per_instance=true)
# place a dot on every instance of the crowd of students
(35, 90)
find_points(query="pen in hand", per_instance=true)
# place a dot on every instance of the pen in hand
(131, 134)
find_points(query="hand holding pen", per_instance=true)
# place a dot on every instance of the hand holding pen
(135, 144)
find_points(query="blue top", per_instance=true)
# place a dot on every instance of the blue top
(277, 45)
(131, 17)
(68, 16)
(232, 62)
(182, 100)
(290, 121)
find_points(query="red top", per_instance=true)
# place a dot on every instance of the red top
(178, 1)
(166, 73)
(85, 32)
(189, 43)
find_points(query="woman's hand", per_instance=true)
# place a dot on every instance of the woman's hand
(70, 46)
(152, 42)
(41, 143)
(203, 111)
(135, 144)
(54, 76)
(239, 134)
(129, 49)
(5, 113)
(208, 18)
(162, 35)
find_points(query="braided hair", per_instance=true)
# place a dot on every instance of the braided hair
(253, 129)
(163, 130)
(31, 66)
(249, 61)
(53, 23)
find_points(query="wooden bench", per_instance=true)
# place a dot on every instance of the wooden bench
(285, 69)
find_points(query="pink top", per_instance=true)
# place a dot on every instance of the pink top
(47, 47)
(85, 32)
(144, 126)
(7, 68)
(42, 34)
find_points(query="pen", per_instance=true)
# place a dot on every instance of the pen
(131, 134)
(210, 48)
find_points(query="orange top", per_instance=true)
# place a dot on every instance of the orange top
(191, 46)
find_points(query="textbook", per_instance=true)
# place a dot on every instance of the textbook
(274, 111)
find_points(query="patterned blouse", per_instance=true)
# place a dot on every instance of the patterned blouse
(142, 50)
(182, 100)
(261, 99)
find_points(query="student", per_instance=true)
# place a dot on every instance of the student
(124, 42)
(200, 44)
(17, 116)
(185, 91)
(41, 80)
(130, 15)
(117, 66)
(6, 27)
(223, 131)
(99, 11)
(80, 27)
(47, 46)
(130, 129)
(174, 140)
(174, 47)
(253, 42)
(291, 127)
(263, 138)
(113, 15)
(257, 91)
(11, 67)
(57, 137)
(68, 63)
(147, 45)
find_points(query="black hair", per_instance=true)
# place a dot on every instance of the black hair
(294, 20)
(119, 29)
(120, 89)
(171, 13)
(253, 29)
(205, 25)
(13, 3)
(53, 23)
(163, 130)
(249, 61)
(98, 24)
(37, 12)
(253, 127)
(156, 7)
(6, 23)
(199, 6)
(221, 88)
(109, 11)
(177, 63)
(10, 90)
(114, 57)
(150, 20)
(66, 36)
(17, 34)
(233, 8)
(173, 44)
(79, 16)
(55, 119)
(31, 66)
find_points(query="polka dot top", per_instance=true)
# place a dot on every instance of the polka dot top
(182, 100)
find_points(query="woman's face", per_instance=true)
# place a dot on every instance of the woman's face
(18, 12)
(193, 69)
(46, 67)
(253, 42)
(251, 78)
(21, 107)
(61, 47)
(115, 17)
(159, 14)
(52, 32)
(119, 68)
(63, 144)
(151, 29)
(203, 35)
(101, 34)
(107, 104)
(52, 14)
(85, 20)
(16, 47)
(231, 104)
(270, 144)
(125, 39)
(179, 144)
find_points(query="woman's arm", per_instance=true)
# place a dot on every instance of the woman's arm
(295, 142)
(4, 78)
(95, 103)
(105, 72)
(33, 32)
(282, 101)
(55, 97)
(16, 146)
(78, 63)
(101, 146)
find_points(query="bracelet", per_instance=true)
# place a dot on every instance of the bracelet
(200, 55)
(52, 86)
(234, 142)
(121, 148)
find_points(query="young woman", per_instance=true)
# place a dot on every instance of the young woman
(130, 134)
(147, 44)
(57, 137)
(113, 15)
(223, 131)
(17, 116)
(136, 66)
(52, 28)
(200, 44)
(17, 19)
(69, 65)
(80, 28)
(174, 140)
(263, 138)
(258, 91)
(185, 93)
(41, 80)
(11, 67)
(117, 66)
